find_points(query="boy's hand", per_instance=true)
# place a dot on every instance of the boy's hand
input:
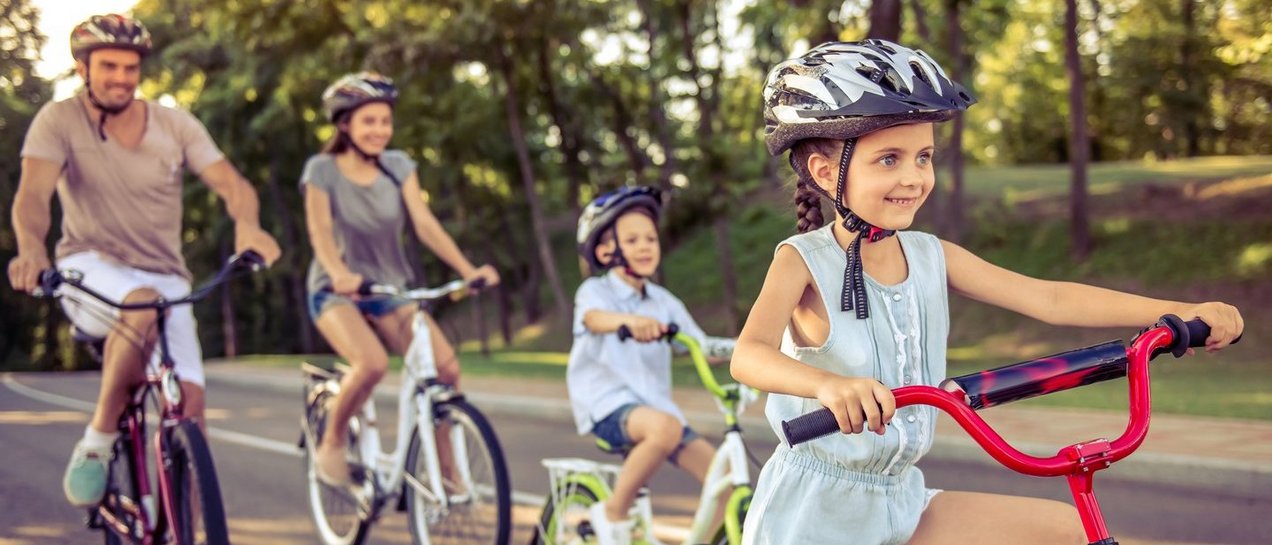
(1224, 320)
(645, 329)
(859, 404)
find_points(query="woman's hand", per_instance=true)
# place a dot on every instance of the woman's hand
(486, 273)
(645, 329)
(859, 404)
(1224, 320)
(346, 283)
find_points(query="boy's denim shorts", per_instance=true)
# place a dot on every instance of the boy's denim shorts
(613, 430)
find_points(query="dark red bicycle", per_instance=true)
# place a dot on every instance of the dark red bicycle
(962, 396)
(185, 508)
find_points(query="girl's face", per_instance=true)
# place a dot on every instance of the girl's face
(638, 238)
(371, 126)
(890, 175)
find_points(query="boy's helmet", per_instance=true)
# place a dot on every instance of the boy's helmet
(843, 90)
(109, 31)
(603, 211)
(354, 90)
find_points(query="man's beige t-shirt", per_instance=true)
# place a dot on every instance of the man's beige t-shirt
(123, 203)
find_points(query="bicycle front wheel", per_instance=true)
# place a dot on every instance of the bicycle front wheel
(475, 481)
(198, 516)
(337, 515)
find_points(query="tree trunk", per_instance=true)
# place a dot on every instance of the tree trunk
(1192, 133)
(229, 326)
(1079, 146)
(513, 111)
(727, 275)
(708, 103)
(295, 268)
(656, 100)
(622, 121)
(920, 20)
(885, 20)
(571, 144)
(954, 212)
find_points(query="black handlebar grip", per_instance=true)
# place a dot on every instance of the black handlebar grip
(365, 288)
(477, 285)
(251, 260)
(625, 332)
(809, 426)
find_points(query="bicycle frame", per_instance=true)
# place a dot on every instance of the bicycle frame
(1077, 462)
(418, 395)
(168, 402)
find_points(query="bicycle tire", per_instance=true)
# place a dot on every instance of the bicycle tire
(336, 515)
(120, 482)
(470, 519)
(743, 504)
(199, 514)
(572, 526)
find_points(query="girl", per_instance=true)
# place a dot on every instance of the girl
(849, 311)
(358, 195)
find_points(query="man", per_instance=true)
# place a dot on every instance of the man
(115, 164)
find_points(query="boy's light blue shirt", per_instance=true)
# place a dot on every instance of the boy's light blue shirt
(604, 373)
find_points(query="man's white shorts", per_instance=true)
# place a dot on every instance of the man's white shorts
(115, 281)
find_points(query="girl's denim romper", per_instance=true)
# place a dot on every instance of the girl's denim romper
(862, 488)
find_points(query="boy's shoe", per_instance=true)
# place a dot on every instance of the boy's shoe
(332, 467)
(85, 480)
(609, 532)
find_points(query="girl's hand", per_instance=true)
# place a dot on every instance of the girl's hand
(346, 283)
(1224, 320)
(484, 272)
(859, 404)
(645, 329)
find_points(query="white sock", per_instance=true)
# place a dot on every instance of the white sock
(96, 439)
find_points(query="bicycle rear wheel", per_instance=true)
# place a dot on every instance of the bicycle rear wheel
(337, 515)
(199, 515)
(478, 515)
(567, 522)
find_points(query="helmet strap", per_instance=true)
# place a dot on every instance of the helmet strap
(853, 296)
(618, 260)
(104, 109)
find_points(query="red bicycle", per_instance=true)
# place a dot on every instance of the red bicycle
(185, 508)
(962, 396)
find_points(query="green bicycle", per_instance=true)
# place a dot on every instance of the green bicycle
(577, 484)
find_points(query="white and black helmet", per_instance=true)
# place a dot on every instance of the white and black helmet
(600, 215)
(843, 90)
(354, 90)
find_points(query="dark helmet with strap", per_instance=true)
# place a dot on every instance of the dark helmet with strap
(109, 31)
(603, 212)
(355, 90)
(841, 91)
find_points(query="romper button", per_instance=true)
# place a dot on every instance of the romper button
(896, 297)
(910, 419)
(908, 379)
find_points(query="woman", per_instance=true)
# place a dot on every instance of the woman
(358, 194)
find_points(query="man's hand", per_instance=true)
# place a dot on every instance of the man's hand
(24, 270)
(256, 239)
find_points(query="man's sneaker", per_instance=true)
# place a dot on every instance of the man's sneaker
(85, 479)
(609, 532)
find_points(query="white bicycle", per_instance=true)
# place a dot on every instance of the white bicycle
(446, 471)
(578, 483)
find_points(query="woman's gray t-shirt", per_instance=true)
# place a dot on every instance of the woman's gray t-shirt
(365, 221)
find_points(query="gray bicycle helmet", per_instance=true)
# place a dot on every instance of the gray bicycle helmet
(109, 31)
(603, 211)
(843, 90)
(354, 90)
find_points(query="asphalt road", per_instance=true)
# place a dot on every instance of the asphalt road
(254, 432)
